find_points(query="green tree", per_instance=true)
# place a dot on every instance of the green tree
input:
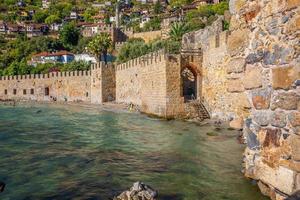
(180, 3)
(40, 16)
(100, 46)
(177, 31)
(137, 47)
(69, 35)
(153, 24)
(17, 68)
(157, 8)
(88, 14)
(52, 19)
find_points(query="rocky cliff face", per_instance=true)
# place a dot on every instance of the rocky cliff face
(266, 35)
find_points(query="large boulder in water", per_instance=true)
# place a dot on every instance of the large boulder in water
(139, 191)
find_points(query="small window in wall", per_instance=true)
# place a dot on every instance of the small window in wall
(5, 91)
(87, 94)
(14, 91)
(24, 92)
(46, 91)
(32, 91)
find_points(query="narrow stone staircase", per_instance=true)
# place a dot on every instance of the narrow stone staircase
(196, 109)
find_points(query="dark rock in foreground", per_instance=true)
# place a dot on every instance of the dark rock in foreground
(295, 196)
(139, 191)
(2, 186)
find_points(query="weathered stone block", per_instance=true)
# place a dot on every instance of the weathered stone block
(261, 98)
(237, 41)
(293, 24)
(292, 4)
(236, 5)
(235, 85)
(251, 139)
(269, 137)
(295, 146)
(278, 119)
(252, 78)
(283, 77)
(236, 65)
(291, 164)
(297, 186)
(244, 103)
(285, 100)
(278, 55)
(281, 178)
(255, 57)
(251, 14)
(294, 118)
(262, 118)
(265, 189)
(237, 123)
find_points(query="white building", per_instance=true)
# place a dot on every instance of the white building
(46, 4)
(55, 27)
(85, 57)
(73, 15)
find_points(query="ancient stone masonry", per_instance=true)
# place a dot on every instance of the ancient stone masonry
(56, 86)
(264, 49)
(251, 75)
(221, 90)
(94, 86)
(152, 82)
(103, 83)
(149, 82)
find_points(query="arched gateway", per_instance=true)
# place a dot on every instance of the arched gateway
(190, 79)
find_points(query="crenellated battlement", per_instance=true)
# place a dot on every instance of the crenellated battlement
(143, 61)
(218, 40)
(46, 76)
(102, 65)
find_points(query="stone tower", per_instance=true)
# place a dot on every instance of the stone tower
(103, 83)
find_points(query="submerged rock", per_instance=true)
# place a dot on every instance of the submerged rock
(2, 186)
(212, 134)
(139, 191)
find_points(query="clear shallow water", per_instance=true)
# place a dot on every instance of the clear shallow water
(79, 153)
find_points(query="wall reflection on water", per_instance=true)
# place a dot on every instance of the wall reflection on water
(66, 152)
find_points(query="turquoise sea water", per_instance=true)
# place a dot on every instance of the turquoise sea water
(65, 152)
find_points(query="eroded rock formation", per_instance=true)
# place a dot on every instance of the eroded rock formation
(139, 191)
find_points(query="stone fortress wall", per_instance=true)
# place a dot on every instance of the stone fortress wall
(94, 86)
(264, 40)
(249, 75)
(146, 82)
(56, 86)
(217, 90)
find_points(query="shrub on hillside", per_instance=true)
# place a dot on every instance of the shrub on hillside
(205, 15)
(135, 48)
